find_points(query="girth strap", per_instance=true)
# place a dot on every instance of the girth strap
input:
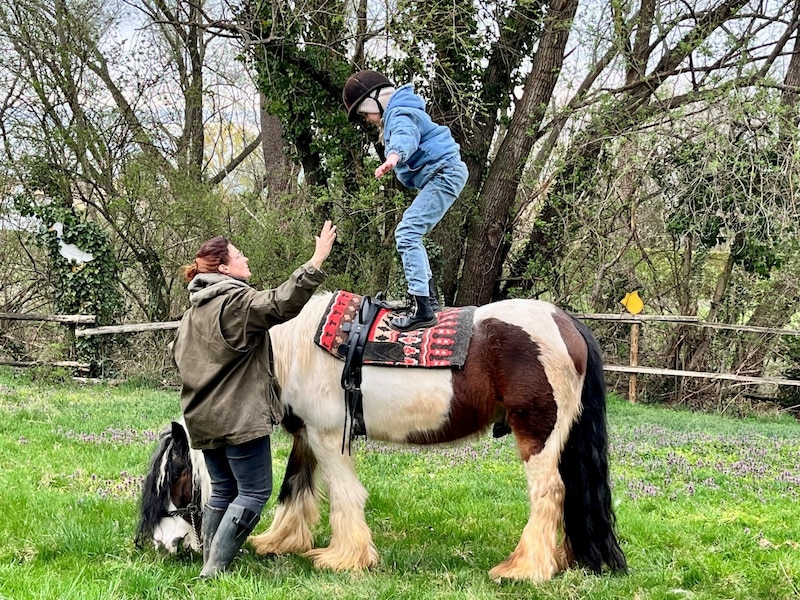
(353, 351)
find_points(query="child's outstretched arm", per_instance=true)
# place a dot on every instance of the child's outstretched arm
(391, 162)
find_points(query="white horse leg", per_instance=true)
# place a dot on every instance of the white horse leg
(290, 531)
(537, 556)
(351, 545)
(298, 510)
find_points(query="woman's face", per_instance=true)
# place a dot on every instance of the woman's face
(237, 264)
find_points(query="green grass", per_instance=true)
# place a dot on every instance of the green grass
(707, 508)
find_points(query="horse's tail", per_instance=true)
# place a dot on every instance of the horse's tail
(588, 513)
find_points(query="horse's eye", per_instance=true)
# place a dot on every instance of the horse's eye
(176, 467)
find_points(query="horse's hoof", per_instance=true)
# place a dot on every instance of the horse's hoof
(260, 547)
(325, 558)
(506, 571)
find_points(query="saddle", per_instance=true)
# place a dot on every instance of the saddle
(442, 345)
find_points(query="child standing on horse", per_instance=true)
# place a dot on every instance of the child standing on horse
(425, 157)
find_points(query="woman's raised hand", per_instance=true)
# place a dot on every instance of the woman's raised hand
(324, 243)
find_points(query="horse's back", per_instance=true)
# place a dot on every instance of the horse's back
(520, 351)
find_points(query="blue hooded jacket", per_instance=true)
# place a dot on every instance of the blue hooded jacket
(422, 145)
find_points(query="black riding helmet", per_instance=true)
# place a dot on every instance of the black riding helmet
(360, 86)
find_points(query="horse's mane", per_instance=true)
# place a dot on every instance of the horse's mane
(201, 481)
(293, 341)
(154, 492)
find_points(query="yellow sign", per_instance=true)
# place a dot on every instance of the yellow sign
(632, 302)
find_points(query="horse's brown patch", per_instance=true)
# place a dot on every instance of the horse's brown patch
(182, 485)
(576, 345)
(503, 370)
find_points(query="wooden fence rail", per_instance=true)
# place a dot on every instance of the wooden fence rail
(73, 319)
(132, 328)
(686, 320)
(744, 379)
(67, 364)
(633, 368)
(70, 321)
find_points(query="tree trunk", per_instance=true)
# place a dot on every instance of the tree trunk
(784, 297)
(789, 97)
(279, 175)
(701, 349)
(193, 94)
(518, 32)
(485, 252)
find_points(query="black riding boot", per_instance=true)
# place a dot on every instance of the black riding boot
(235, 526)
(434, 297)
(422, 315)
(212, 517)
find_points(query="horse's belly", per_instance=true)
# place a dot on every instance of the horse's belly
(402, 401)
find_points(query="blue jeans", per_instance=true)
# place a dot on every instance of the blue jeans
(242, 472)
(427, 209)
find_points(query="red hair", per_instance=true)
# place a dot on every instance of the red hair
(211, 255)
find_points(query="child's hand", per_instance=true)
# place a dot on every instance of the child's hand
(390, 163)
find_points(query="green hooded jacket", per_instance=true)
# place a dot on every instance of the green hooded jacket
(222, 350)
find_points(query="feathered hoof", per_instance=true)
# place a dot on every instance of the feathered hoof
(267, 544)
(510, 569)
(336, 560)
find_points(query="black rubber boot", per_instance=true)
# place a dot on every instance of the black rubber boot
(235, 526)
(421, 316)
(433, 296)
(212, 517)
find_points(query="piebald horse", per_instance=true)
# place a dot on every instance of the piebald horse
(527, 362)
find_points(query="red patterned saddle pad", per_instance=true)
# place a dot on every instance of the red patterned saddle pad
(443, 345)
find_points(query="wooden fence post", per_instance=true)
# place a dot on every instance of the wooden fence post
(634, 362)
(634, 305)
(72, 346)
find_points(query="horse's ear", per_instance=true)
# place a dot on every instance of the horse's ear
(179, 436)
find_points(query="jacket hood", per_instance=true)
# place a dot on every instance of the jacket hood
(404, 97)
(207, 286)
